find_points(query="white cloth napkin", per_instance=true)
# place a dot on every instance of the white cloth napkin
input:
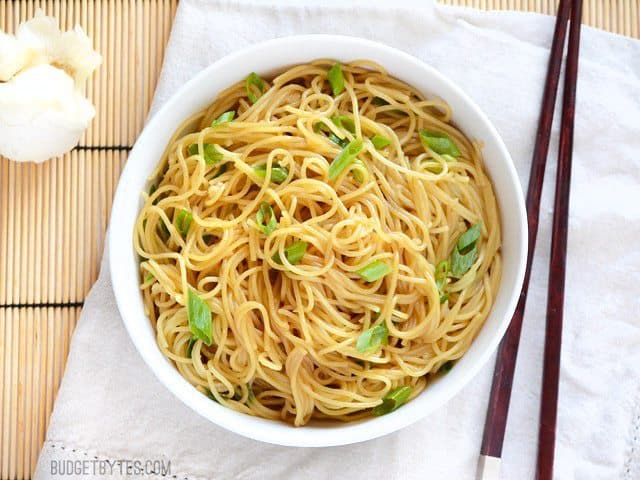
(111, 407)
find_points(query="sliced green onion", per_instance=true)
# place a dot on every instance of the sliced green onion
(380, 142)
(319, 127)
(183, 221)
(208, 239)
(147, 277)
(278, 174)
(466, 251)
(336, 79)
(439, 142)
(342, 121)
(442, 270)
(210, 152)
(199, 318)
(224, 118)
(461, 263)
(341, 142)
(293, 252)
(444, 298)
(192, 342)
(265, 212)
(437, 168)
(374, 271)
(152, 189)
(251, 395)
(359, 171)
(253, 80)
(164, 231)
(469, 238)
(223, 168)
(446, 367)
(344, 158)
(372, 338)
(211, 396)
(379, 101)
(392, 401)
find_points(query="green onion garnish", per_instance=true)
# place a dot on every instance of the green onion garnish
(469, 238)
(439, 142)
(374, 271)
(442, 270)
(342, 121)
(211, 395)
(208, 239)
(293, 252)
(199, 318)
(379, 101)
(344, 158)
(392, 401)
(336, 79)
(164, 231)
(372, 338)
(223, 168)
(466, 251)
(147, 277)
(380, 142)
(183, 221)
(265, 212)
(192, 342)
(210, 152)
(319, 127)
(224, 118)
(278, 174)
(444, 297)
(446, 367)
(359, 171)
(251, 395)
(253, 80)
(461, 263)
(341, 142)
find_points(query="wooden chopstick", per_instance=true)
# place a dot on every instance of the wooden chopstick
(557, 262)
(498, 408)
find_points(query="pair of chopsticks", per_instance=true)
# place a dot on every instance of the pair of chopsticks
(496, 420)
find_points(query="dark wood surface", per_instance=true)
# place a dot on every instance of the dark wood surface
(557, 262)
(498, 408)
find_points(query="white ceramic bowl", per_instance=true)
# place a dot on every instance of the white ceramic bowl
(268, 59)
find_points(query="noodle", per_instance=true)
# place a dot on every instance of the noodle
(286, 334)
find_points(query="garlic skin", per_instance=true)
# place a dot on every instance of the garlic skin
(71, 51)
(14, 56)
(42, 115)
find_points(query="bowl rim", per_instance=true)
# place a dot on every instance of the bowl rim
(276, 432)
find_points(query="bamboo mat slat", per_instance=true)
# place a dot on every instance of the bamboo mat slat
(53, 216)
(31, 367)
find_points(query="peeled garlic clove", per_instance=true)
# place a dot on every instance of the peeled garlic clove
(14, 56)
(42, 115)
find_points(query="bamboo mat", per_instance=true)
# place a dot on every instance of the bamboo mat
(53, 216)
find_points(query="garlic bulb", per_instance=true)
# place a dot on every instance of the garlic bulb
(14, 56)
(43, 114)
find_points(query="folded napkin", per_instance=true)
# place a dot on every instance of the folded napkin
(110, 406)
